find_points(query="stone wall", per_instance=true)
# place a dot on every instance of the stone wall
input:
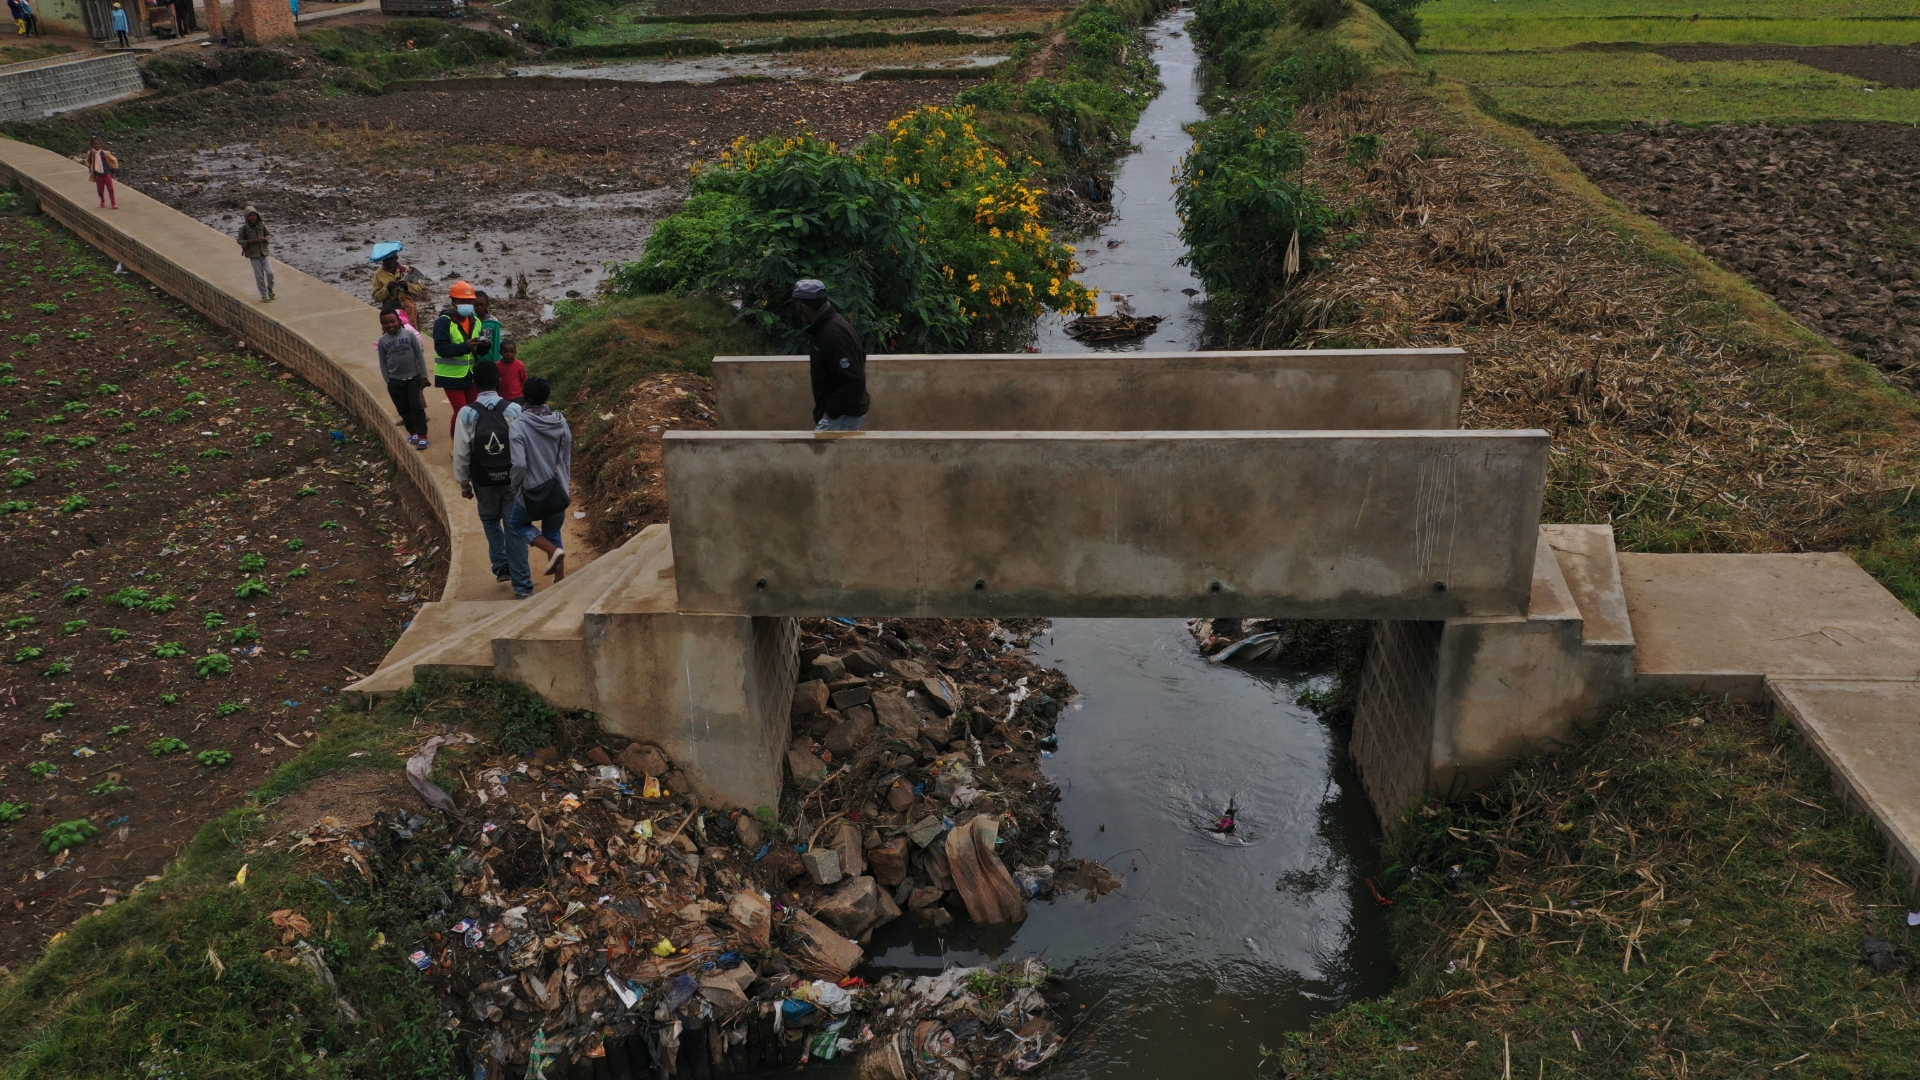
(37, 90)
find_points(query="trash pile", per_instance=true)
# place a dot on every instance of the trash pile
(1255, 640)
(597, 919)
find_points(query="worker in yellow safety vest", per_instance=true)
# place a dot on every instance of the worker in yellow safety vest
(458, 337)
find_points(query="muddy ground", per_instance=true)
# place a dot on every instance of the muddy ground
(486, 181)
(1888, 65)
(1825, 218)
(189, 554)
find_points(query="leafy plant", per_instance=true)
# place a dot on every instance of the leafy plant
(73, 626)
(59, 709)
(180, 470)
(301, 654)
(58, 667)
(167, 745)
(29, 652)
(47, 309)
(244, 635)
(109, 788)
(168, 699)
(18, 622)
(106, 389)
(68, 834)
(114, 633)
(250, 588)
(11, 812)
(296, 544)
(73, 595)
(329, 524)
(297, 572)
(40, 770)
(213, 664)
(214, 759)
(215, 452)
(252, 562)
(213, 620)
(162, 604)
(21, 477)
(167, 650)
(75, 503)
(118, 729)
(1362, 149)
(228, 708)
(132, 597)
(306, 491)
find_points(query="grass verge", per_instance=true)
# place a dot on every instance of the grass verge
(593, 352)
(283, 970)
(1681, 894)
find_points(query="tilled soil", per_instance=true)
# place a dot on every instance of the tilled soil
(1825, 218)
(735, 7)
(1888, 65)
(189, 554)
(486, 180)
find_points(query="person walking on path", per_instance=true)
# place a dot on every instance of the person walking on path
(835, 361)
(458, 337)
(101, 165)
(254, 240)
(542, 479)
(393, 284)
(483, 467)
(183, 21)
(403, 363)
(23, 14)
(120, 26)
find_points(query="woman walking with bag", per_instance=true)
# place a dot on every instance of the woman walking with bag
(542, 446)
(101, 165)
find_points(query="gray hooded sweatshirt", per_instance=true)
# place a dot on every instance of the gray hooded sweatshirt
(542, 446)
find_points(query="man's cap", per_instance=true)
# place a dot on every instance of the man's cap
(810, 290)
(461, 291)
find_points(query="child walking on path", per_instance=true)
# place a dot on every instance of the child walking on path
(403, 363)
(254, 239)
(101, 165)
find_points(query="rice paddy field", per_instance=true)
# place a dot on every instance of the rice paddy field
(1601, 63)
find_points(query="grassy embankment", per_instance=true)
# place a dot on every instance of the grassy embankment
(1593, 62)
(1681, 893)
(192, 976)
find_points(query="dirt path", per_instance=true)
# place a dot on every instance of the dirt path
(1825, 218)
(486, 180)
(189, 555)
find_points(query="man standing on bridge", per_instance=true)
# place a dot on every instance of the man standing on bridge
(458, 337)
(835, 360)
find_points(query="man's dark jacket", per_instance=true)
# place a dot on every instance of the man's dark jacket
(838, 366)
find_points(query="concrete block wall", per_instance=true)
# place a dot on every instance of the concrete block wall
(37, 91)
(1393, 720)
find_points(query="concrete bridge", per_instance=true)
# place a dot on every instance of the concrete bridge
(1330, 485)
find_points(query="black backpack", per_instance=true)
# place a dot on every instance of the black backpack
(490, 458)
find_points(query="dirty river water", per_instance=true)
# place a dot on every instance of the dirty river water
(1210, 948)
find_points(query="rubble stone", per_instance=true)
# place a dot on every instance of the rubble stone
(891, 711)
(642, 759)
(599, 756)
(853, 908)
(823, 865)
(844, 837)
(821, 951)
(940, 694)
(910, 670)
(888, 862)
(827, 668)
(925, 831)
(924, 896)
(809, 697)
(804, 766)
(900, 797)
(853, 732)
(851, 696)
(751, 835)
(864, 662)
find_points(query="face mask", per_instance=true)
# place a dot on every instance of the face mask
(464, 310)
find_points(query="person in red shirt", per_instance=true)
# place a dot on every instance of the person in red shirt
(513, 373)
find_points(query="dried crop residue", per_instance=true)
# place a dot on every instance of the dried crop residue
(1671, 417)
(1888, 65)
(619, 451)
(1826, 219)
(189, 555)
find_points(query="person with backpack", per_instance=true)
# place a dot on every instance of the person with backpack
(542, 478)
(483, 465)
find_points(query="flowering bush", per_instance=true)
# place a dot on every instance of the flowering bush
(982, 220)
(928, 238)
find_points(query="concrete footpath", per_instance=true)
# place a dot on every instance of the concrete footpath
(317, 331)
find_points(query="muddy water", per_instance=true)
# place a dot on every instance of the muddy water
(1214, 945)
(1134, 261)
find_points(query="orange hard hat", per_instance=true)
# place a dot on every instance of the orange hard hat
(461, 291)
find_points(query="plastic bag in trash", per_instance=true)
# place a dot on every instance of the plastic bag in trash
(681, 990)
(1034, 881)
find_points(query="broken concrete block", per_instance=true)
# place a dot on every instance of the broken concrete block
(853, 732)
(909, 670)
(891, 711)
(827, 668)
(823, 865)
(844, 837)
(888, 862)
(806, 769)
(809, 697)
(853, 908)
(925, 831)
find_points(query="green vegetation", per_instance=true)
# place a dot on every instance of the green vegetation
(1591, 62)
(68, 834)
(168, 745)
(1683, 886)
(190, 975)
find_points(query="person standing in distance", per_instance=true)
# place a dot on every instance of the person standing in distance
(835, 360)
(254, 241)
